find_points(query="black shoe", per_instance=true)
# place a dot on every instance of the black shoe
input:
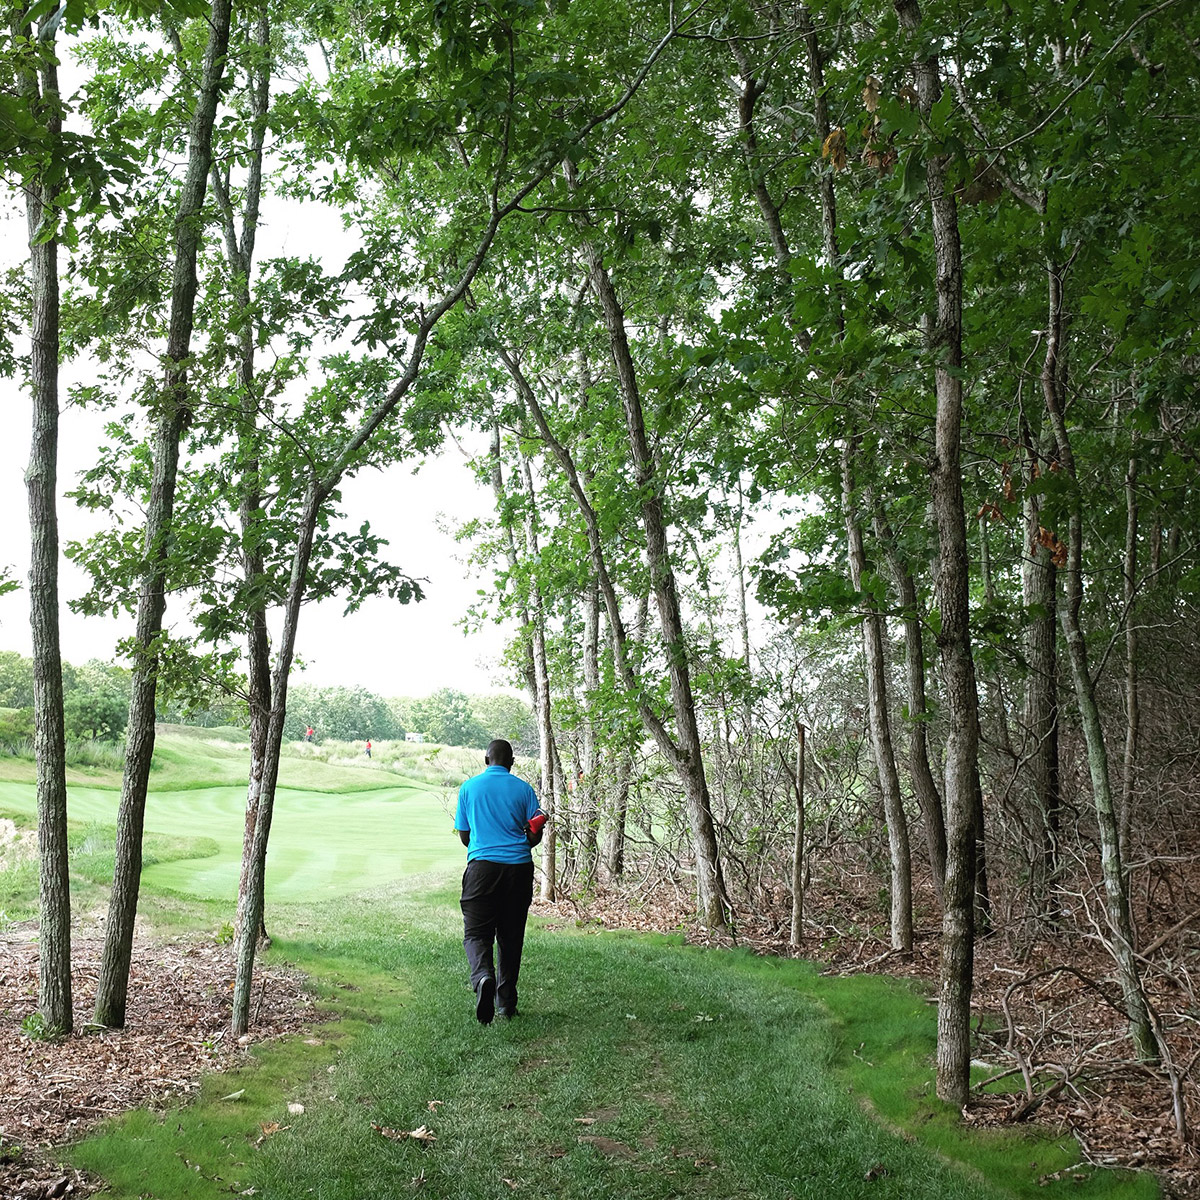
(507, 1013)
(485, 1000)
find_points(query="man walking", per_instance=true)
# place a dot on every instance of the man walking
(498, 821)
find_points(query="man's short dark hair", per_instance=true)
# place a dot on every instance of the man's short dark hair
(499, 753)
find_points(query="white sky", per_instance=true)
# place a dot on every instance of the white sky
(389, 648)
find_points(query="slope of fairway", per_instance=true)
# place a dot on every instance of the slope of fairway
(322, 844)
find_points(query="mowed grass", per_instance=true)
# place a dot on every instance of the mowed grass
(639, 1067)
(337, 829)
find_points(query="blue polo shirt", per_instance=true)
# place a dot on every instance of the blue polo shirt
(494, 806)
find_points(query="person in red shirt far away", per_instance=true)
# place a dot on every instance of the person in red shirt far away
(368, 747)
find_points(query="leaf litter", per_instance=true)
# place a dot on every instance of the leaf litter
(178, 1013)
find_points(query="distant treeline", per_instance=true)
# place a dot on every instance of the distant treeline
(95, 700)
(97, 706)
(448, 716)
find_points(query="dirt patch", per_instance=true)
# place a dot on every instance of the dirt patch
(610, 1147)
(178, 1016)
(15, 845)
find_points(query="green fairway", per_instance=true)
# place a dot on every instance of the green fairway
(324, 843)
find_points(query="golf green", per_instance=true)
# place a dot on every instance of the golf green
(323, 844)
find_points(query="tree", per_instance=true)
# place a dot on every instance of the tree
(174, 413)
(37, 79)
(97, 705)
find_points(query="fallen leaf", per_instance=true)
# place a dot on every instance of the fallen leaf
(420, 1134)
(585, 1120)
(235, 1095)
(512, 1183)
(433, 1105)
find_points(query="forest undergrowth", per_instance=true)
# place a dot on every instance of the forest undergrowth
(1050, 1046)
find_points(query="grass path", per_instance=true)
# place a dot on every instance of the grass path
(639, 1070)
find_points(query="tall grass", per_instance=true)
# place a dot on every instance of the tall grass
(82, 752)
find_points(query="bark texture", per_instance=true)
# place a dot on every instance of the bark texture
(173, 417)
(954, 638)
(41, 482)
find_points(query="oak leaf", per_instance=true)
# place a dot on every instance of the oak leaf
(834, 149)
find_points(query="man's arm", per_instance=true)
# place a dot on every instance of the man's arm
(462, 824)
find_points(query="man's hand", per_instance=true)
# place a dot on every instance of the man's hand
(534, 828)
(464, 836)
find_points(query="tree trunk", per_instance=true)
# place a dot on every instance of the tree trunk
(510, 552)
(1133, 715)
(992, 681)
(252, 903)
(797, 932)
(614, 845)
(112, 986)
(549, 796)
(713, 901)
(1039, 585)
(41, 482)
(929, 799)
(239, 253)
(875, 666)
(685, 759)
(1116, 890)
(587, 787)
(954, 637)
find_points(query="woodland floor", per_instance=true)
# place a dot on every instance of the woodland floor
(1059, 1023)
(178, 1028)
(1054, 1011)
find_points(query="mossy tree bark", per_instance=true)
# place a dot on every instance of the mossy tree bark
(174, 413)
(39, 87)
